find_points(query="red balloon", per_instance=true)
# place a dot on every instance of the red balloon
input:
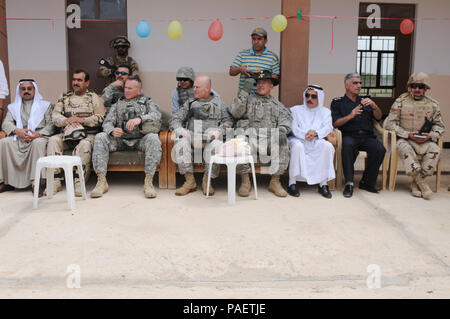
(407, 26)
(215, 31)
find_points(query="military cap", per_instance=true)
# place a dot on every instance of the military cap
(118, 41)
(186, 72)
(260, 31)
(265, 74)
(420, 78)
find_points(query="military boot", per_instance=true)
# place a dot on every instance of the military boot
(101, 187)
(189, 185)
(246, 187)
(77, 185)
(149, 191)
(205, 184)
(423, 186)
(275, 186)
(415, 189)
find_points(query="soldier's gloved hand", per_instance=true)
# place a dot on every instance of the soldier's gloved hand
(199, 113)
(249, 84)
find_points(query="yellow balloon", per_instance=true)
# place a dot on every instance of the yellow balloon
(279, 23)
(175, 29)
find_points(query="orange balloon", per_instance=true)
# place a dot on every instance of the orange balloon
(407, 26)
(215, 31)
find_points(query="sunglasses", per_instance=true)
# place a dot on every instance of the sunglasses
(27, 89)
(182, 79)
(417, 86)
(121, 73)
(314, 96)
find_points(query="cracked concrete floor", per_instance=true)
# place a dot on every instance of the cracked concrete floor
(127, 246)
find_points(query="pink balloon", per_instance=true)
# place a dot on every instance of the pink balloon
(215, 31)
(407, 26)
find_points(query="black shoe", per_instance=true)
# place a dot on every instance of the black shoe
(324, 191)
(368, 188)
(293, 190)
(5, 188)
(348, 190)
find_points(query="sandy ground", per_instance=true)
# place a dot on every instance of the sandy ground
(125, 246)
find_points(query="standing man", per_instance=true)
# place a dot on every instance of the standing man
(4, 92)
(209, 114)
(28, 126)
(132, 123)
(79, 113)
(255, 59)
(113, 92)
(354, 116)
(109, 65)
(261, 114)
(311, 154)
(409, 115)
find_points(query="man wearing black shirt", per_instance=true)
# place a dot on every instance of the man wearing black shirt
(354, 116)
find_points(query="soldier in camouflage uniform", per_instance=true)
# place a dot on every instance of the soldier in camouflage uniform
(113, 92)
(107, 70)
(406, 118)
(132, 123)
(78, 110)
(265, 115)
(184, 90)
(208, 111)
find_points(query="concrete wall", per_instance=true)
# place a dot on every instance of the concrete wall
(430, 53)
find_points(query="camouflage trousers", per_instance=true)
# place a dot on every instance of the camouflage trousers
(83, 149)
(182, 154)
(408, 151)
(104, 144)
(272, 155)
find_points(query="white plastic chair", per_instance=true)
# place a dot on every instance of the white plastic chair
(232, 162)
(65, 162)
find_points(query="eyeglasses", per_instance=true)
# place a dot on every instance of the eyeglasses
(182, 79)
(313, 96)
(417, 86)
(121, 73)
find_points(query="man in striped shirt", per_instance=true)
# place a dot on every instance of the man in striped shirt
(255, 59)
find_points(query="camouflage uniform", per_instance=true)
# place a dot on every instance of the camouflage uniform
(408, 115)
(213, 115)
(88, 106)
(254, 111)
(144, 137)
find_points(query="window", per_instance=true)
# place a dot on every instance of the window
(375, 62)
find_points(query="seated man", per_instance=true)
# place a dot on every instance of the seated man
(311, 154)
(354, 116)
(132, 124)
(407, 117)
(262, 115)
(28, 125)
(79, 113)
(203, 119)
(113, 92)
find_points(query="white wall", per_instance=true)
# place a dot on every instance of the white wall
(36, 45)
(160, 53)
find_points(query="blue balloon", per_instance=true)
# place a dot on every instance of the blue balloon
(143, 29)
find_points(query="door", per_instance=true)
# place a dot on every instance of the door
(88, 44)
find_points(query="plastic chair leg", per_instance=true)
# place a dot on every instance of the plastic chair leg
(209, 176)
(69, 187)
(37, 180)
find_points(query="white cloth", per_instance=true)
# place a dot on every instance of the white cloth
(311, 161)
(4, 91)
(38, 109)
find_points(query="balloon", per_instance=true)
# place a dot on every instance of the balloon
(279, 23)
(407, 26)
(175, 29)
(143, 29)
(215, 31)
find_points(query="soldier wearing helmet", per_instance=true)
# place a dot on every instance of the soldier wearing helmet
(417, 121)
(109, 65)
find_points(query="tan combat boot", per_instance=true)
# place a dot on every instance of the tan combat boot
(57, 186)
(101, 187)
(149, 191)
(275, 186)
(205, 184)
(189, 185)
(246, 186)
(77, 185)
(415, 189)
(424, 188)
